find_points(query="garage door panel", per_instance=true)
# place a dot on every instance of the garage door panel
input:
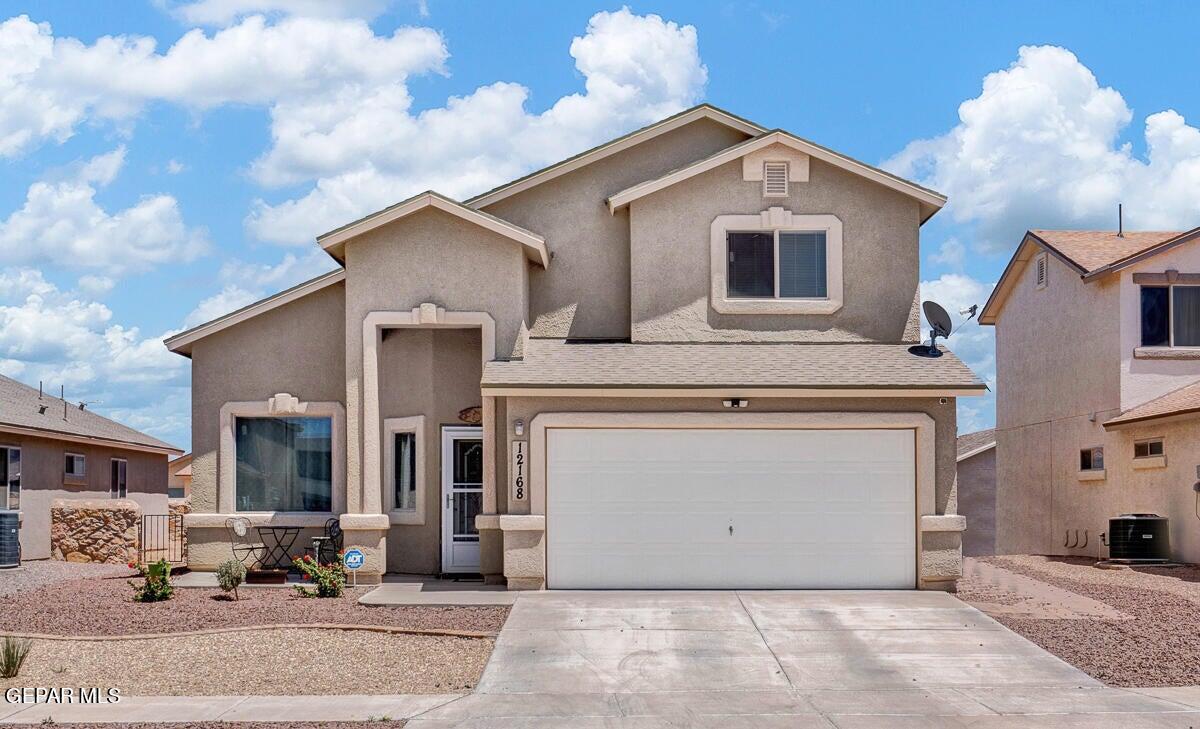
(653, 508)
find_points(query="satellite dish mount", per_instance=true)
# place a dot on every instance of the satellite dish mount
(939, 326)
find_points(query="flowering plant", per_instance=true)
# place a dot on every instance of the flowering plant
(328, 579)
(157, 582)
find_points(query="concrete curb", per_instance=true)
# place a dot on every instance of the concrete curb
(244, 628)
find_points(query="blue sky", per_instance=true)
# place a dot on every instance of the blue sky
(168, 160)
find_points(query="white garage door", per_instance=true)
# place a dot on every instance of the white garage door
(673, 508)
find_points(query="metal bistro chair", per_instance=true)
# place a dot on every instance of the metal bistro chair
(237, 527)
(325, 548)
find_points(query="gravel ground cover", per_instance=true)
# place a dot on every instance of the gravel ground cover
(1156, 644)
(40, 573)
(262, 662)
(100, 604)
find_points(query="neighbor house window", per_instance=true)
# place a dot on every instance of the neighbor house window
(10, 478)
(776, 265)
(1091, 459)
(284, 464)
(75, 466)
(1170, 316)
(117, 488)
(1148, 448)
(405, 462)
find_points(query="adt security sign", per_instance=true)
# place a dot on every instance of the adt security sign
(353, 560)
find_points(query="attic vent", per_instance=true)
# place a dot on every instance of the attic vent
(775, 179)
(1041, 271)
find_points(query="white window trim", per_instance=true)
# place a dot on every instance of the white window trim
(1170, 287)
(774, 220)
(112, 484)
(1041, 262)
(281, 405)
(414, 424)
(75, 476)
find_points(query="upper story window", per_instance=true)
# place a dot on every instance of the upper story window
(776, 265)
(1151, 448)
(1170, 316)
(284, 464)
(1091, 459)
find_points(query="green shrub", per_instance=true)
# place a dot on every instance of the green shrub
(16, 650)
(156, 586)
(328, 579)
(230, 574)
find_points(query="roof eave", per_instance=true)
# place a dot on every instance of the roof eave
(1007, 281)
(51, 434)
(975, 451)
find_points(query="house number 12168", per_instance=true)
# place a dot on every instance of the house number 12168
(519, 491)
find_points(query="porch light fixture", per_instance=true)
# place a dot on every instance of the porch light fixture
(736, 404)
(519, 427)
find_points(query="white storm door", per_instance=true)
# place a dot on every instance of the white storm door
(462, 497)
(644, 508)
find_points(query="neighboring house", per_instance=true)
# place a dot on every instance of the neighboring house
(51, 449)
(977, 491)
(1097, 359)
(179, 477)
(679, 359)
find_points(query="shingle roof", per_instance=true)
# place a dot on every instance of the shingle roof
(1093, 249)
(19, 406)
(559, 363)
(972, 442)
(1184, 401)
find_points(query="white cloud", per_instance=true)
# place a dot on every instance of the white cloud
(975, 345)
(1040, 148)
(366, 148)
(244, 283)
(221, 12)
(61, 223)
(950, 253)
(174, 167)
(63, 338)
(96, 286)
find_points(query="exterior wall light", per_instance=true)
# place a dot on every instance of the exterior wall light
(519, 427)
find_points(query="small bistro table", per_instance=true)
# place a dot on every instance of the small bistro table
(277, 542)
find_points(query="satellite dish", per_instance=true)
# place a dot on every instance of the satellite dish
(940, 326)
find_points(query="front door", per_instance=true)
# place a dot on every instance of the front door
(462, 497)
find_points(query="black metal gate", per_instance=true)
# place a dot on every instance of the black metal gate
(161, 536)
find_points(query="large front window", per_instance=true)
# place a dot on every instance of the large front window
(1170, 316)
(776, 265)
(284, 464)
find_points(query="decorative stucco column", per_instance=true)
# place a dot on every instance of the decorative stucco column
(491, 541)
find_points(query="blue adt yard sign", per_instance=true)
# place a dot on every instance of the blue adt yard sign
(353, 559)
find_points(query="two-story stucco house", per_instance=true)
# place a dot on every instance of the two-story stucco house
(1097, 363)
(677, 360)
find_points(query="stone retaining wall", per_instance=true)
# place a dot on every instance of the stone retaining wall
(101, 530)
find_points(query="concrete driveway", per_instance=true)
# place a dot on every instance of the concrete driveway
(795, 659)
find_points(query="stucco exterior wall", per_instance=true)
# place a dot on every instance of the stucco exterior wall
(1058, 379)
(670, 258)
(42, 471)
(585, 293)
(1145, 379)
(435, 373)
(298, 348)
(977, 502)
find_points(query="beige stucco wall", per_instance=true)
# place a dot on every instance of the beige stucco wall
(42, 464)
(585, 292)
(435, 373)
(298, 348)
(670, 258)
(977, 502)
(1058, 379)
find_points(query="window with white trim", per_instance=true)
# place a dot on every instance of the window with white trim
(1170, 316)
(404, 476)
(118, 485)
(283, 463)
(1150, 448)
(776, 265)
(775, 179)
(10, 478)
(1091, 459)
(75, 466)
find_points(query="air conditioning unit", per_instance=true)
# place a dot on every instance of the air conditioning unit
(1141, 538)
(10, 539)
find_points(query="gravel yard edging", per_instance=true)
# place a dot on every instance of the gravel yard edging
(277, 626)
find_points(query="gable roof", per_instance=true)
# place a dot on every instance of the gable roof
(23, 411)
(334, 242)
(1184, 402)
(1090, 253)
(972, 444)
(929, 200)
(181, 343)
(611, 147)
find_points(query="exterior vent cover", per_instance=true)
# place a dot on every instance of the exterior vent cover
(775, 179)
(10, 543)
(1041, 271)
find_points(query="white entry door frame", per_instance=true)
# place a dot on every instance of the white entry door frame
(462, 497)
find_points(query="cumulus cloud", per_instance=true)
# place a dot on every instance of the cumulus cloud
(951, 253)
(221, 12)
(64, 338)
(61, 223)
(244, 283)
(1040, 148)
